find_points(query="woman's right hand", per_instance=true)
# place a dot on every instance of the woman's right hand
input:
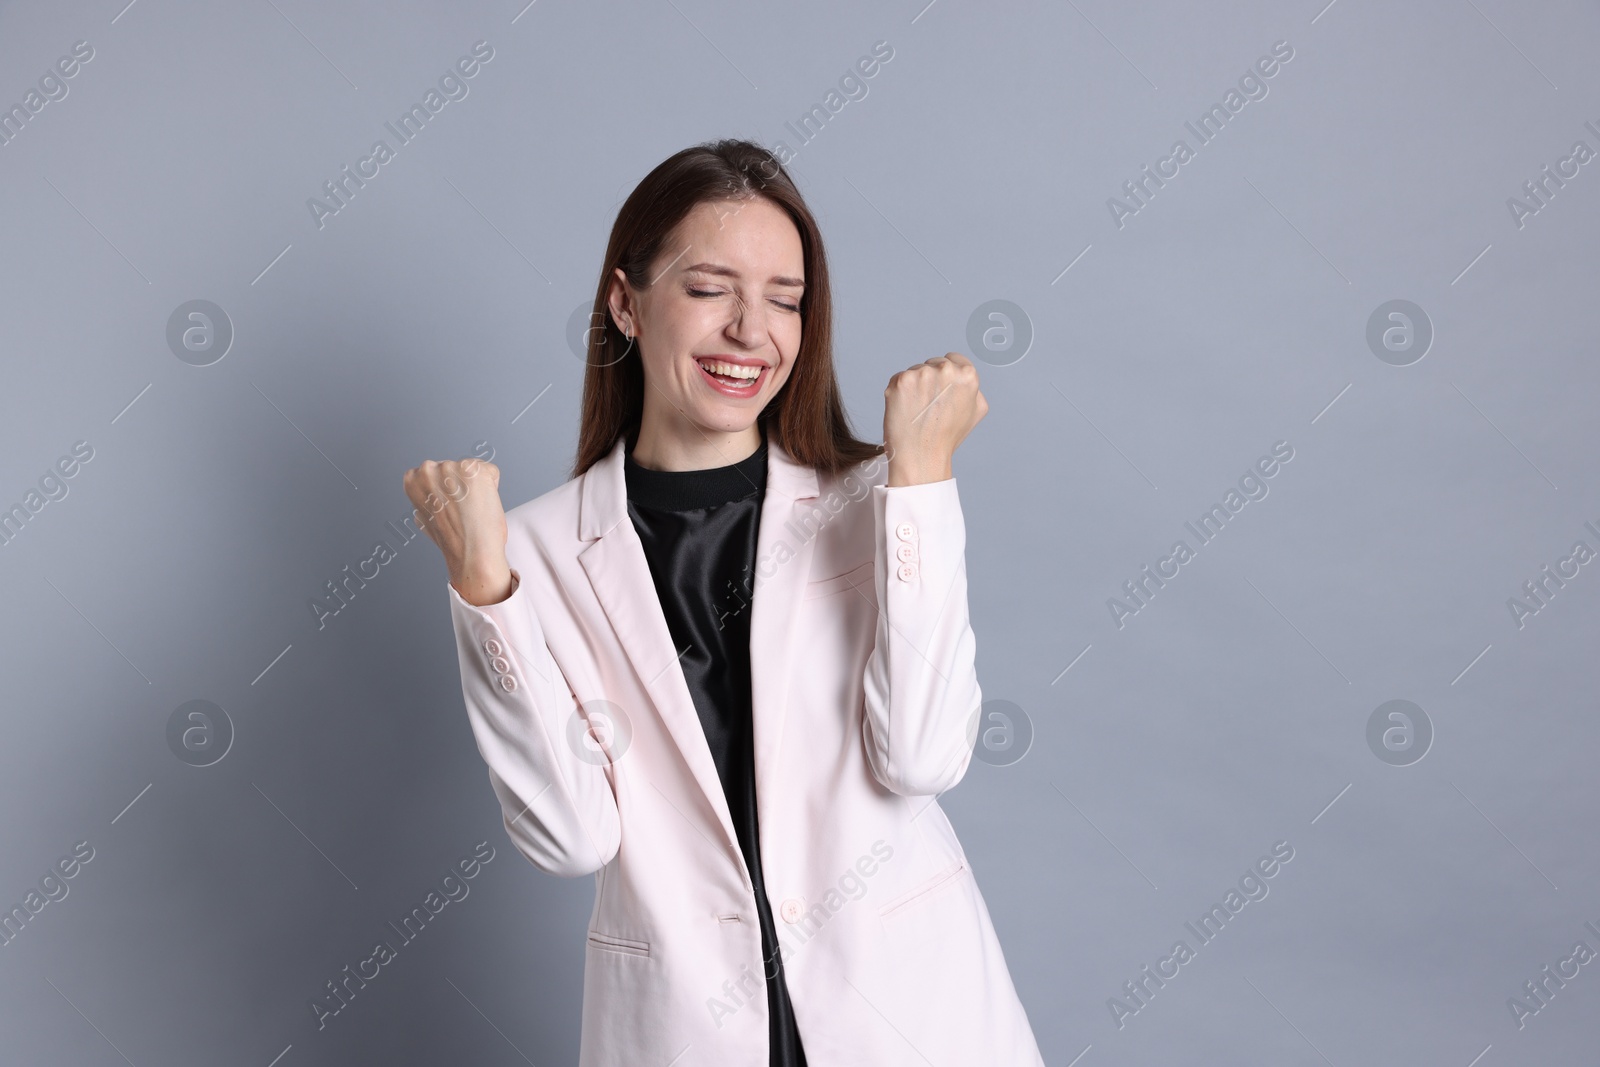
(457, 504)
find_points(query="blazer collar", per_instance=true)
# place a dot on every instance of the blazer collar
(604, 500)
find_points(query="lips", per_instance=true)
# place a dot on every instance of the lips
(727, 387)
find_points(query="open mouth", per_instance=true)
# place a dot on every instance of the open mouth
(731, 379)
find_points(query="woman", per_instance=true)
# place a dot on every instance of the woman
(735, 607)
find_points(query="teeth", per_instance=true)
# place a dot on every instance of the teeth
(730, 370)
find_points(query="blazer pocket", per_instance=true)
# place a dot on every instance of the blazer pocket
(848, 580)
(918, 894)
(623, 945)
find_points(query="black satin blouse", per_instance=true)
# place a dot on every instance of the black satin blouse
(699, 533)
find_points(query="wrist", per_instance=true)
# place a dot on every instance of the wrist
(912, 471)
(484, 585)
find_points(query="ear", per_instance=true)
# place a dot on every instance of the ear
(620, 299)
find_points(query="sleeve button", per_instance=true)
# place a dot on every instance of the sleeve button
(905, 531)
(492, 647)
(500, 664)
(906, 554)
(907, 572)
(508, 683)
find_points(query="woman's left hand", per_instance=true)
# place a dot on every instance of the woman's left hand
(927, 411)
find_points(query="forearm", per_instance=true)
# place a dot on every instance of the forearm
(557, 800)
(921, 687)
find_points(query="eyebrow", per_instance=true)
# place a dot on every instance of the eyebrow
(729, 272)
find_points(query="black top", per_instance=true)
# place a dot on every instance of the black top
(699, 532)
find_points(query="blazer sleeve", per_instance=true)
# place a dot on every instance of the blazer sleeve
(921, 682)
(556, 799)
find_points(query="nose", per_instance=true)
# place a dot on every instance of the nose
(748, 325)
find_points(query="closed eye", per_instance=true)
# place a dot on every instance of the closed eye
(703, 293)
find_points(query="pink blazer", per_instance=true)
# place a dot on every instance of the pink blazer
(865, 699)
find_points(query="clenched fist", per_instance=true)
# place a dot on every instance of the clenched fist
(457, 504)
(927, 411)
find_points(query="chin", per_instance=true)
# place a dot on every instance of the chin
(728, 422)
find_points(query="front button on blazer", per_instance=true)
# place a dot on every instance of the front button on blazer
(865, 700)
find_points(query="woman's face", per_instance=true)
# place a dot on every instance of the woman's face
(725, 290)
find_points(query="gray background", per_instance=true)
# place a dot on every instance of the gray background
(1230, 313)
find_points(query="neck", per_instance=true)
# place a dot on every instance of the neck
(693, 450)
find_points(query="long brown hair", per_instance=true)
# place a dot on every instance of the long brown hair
(806, 417)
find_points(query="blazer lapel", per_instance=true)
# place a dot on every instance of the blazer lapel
(784, 547)
(620, 574)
